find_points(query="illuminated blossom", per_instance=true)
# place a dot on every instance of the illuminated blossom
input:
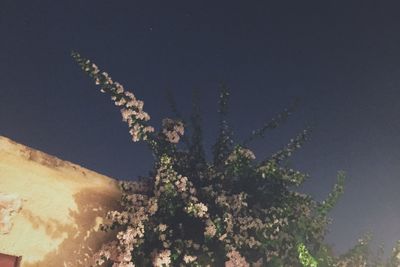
(172, 130)
(236, 260)
(210, 229)
(161, 258)
(189, 259)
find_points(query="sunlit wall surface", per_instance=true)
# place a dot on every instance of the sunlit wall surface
(50, 210)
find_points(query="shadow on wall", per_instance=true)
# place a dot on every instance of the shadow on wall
(82, 239)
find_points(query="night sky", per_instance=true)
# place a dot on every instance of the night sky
(342, 59)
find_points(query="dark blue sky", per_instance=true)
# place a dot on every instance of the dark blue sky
(341, 58)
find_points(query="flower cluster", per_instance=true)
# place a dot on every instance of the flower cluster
(161, 258)
(210, 230)
(236, 260)
(198, 210)
(241, 153)
(172, 130)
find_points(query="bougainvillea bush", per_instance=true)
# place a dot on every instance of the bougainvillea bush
(233, 210)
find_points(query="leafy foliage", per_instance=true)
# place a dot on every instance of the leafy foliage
(305, 257)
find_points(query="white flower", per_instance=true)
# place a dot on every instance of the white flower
(210, 229)
(236, 260)
(162, 227)
(181, 184)
(201, 209)
(120, 102)
(161, 258)
(126, 114)
(189, 259)
(172, 130)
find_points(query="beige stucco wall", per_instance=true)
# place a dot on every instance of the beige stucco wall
(52, 207)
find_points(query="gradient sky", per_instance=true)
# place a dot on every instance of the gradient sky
(342, 59)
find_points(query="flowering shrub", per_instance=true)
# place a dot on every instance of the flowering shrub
(231, 211)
